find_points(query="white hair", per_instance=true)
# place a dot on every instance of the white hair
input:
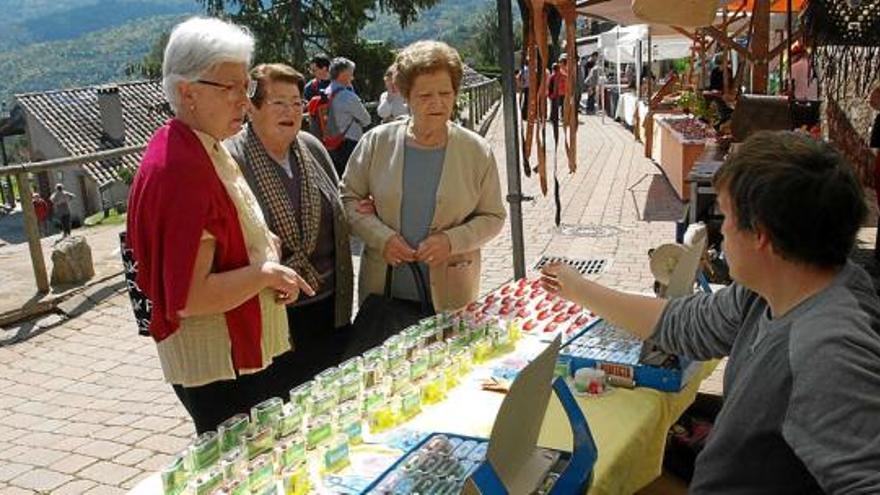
(198, 44)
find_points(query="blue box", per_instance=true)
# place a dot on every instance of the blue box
(619, 354)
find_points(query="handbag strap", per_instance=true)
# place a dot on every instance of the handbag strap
(421, 284)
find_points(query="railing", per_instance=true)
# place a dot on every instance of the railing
(478, 104)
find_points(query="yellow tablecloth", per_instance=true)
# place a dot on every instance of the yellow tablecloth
(629, 426)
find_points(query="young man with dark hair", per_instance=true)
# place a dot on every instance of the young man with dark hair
(319, 66)
(799, 324)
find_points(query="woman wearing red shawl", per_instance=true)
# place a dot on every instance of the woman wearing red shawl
(206, 259)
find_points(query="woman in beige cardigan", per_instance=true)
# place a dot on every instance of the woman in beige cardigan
(434, 184)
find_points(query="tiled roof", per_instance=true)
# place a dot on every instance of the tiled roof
(72, 117)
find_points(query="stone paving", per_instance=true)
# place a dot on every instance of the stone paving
(84, 409)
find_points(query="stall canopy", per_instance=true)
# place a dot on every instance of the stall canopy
(664, 47)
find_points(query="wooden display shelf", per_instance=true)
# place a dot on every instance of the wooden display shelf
(676, 155)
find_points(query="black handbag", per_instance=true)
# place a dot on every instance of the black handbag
(382, 316)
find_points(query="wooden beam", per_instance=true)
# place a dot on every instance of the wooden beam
(32, 231)
(726, 42)
(685, 33)
(760, 46)
(783, 46)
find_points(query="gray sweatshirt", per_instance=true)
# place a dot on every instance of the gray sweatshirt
(801, 410)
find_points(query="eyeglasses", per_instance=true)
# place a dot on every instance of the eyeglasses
(280, 104)
(250, 89)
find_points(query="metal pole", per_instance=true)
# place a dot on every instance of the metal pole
(33, 233)
(511, 137)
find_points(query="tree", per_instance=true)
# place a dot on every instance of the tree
(486, 42)
(150, 67)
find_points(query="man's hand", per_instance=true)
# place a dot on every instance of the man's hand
(562, 279)
(435, 250)
(285, 282)
(397, 251)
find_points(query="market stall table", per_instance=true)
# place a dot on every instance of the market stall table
(629, 426)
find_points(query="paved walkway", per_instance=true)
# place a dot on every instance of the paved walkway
(83, 408)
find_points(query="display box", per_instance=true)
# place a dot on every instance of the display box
(510, 461)
(623, 357)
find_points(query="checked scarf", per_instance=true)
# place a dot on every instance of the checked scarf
(298, 235)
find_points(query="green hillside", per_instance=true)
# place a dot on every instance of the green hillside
(94, 58)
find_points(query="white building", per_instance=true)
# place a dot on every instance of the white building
(81, 121)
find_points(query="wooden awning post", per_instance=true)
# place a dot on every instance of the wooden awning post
(33, 233)
(760, 46)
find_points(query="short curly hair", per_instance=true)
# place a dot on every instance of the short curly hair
(800, 191)
(425, 57)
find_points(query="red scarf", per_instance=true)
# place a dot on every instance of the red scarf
(176, 195)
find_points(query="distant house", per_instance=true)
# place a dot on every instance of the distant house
(81, 121)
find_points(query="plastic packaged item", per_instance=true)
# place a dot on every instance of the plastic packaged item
(289, 452)
(300, 394)
(174, 477)
(268, 412)
(295, 479)
(418, 364)
(350, 386)
(351, 423)
(232, 432)
(479, 452)
(238, 486)
(450, 372)
(206, 483)
(258, 440)
(589, 381)
(400, 377)
(410, 401)
(320, 429)
(462, 360)
(500, 336)
(375, 365)
(336, 456)
(290, 421)
(563, 367)
(260, 473)
(482, 349)
(433, 387)
(233, 464)
(383, 415)
(204, 452)
(439, 444)
(437, 352)
(328, 380)
(323, 401)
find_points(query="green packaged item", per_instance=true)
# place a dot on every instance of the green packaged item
(289, 452)
(351, 423)
(174, 477)
(418, 365)
(328, 379)
(433, 387)
(204, 451)
(206, 483)
(290, 421)
(258, 440)
(322, 402)
(336, 456)
(232, 432)
(383, 415)
(482, 349)
(260, 474)
(233, 464)
(319, 430)
(237, 486)
(375, 362)
(400, 377)
(295, 479)
(500, 337)
(302, 393)
(410, 401)
(353, 365)
(437, 352)
(350, 386)
(462, 359)
(268, 412)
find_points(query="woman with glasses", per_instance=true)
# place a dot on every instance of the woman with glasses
(295, 183)
(206, 258)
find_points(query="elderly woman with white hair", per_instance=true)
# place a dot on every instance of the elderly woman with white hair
(206, 258)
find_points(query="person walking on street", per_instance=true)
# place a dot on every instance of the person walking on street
(348, 116)
(61, 204)
(391, 103)
(41, 208)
